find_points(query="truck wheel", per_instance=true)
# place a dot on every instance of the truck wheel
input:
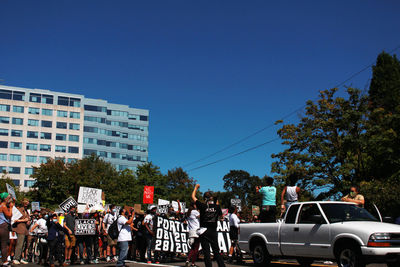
(261, 256)
(349, 256)
(305, 262)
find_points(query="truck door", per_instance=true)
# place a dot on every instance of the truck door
(287, 241)
(312, 234)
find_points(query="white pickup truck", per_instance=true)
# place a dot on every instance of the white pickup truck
(323, 230)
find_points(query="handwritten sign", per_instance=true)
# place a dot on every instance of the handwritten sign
(11, 191)
(88, 195)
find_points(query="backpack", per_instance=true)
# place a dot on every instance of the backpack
(113, 231)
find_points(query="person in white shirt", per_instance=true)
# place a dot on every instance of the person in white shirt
(193, 221)
(125, 222)
(290, 193)
(234, 235)
(40, 227)
(149, 233)
(109, 218)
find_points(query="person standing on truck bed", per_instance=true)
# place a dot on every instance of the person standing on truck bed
(290, 193)
(354, 196)
(210, 211)
(268, 208)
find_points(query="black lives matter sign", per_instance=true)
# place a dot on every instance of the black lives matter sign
(85, 227)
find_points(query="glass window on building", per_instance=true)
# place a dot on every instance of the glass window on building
(74, 126)
(95, 108)
(47, 112)
(5, 120)
(3, 157)
(144, 118)
(43, 159)
(75, 115)
(31, 134)
(3, 144)
(30, 146)
(62, 113)
(30, 158)
(29, 171)
(33, 122)
(16, 182)
(45, 136)
(61, 125)
(17, 121)
(73, 138)
(5, 94)
(34, 111)
(15, 157)
(4, 132)
(44, 147)
(47, 99)
(3, 169)
(29, 183)
(4, 107)
(35, 98)
(63, 101)
(61, 149)
(60, 158)
(14, 170)
(89, 151)
(47, 124)
(71, 160)
(75, 102)
(15, 145)
(16, 133)
(18, 109)
(20, 96)
(61, 137)
(73, 149)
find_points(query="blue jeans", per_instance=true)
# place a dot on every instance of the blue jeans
(123, 252)
(149, 239)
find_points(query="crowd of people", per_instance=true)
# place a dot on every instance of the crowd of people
(47, 237)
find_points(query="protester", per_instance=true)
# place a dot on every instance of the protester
(209, 214)
(109, 218)
(354, 196)
(40, 228)
(32, 236)
(55, 240)
(125, 222)
(290, 193)
(20, 228)
(70, 240)
(5, 217)
(193, 221)
(268, 208)
(149, 234)
(140, 236)
(234, 231)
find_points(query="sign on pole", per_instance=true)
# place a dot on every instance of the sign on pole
(148, 195)
(67, 204)
(35, 206)
(11, 191)
(85, 227)
(235, 202)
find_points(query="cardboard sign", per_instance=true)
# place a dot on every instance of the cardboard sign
(11, 191)
(163, 206)
(67, 204)
(255, 210)
(176, 206)
(35, 206)
(85, 227)
(88, 195)
(148, 195)
(235, 202)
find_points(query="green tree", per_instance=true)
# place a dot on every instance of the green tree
(328, 147)
(150, 175)
(180, 185)
(242, 185)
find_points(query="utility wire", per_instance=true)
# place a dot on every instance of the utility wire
(269, 126)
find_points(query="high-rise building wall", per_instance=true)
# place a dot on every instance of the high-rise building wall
(39, 124)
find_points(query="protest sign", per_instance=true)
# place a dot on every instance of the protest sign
(16, 214)
(85, 227)
(148, 195)
(137, 207)
(163, 206)
(35, 206)
(172, 236)
(68, 203)
(88, 195)
(235, 202)
(176, 206)
(225, 212)
(11, 191)
(255, 210)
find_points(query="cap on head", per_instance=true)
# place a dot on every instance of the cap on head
(3, 195)
(151, 207)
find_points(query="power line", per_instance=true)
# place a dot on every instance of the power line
(269, 126)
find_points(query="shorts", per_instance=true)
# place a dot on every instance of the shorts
(234, 233)
(70, 240)
(111, 242)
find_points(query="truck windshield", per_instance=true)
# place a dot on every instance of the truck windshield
(343, 212)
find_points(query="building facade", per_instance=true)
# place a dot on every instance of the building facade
(36, 125)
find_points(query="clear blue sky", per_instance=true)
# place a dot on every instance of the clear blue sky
(210, 72)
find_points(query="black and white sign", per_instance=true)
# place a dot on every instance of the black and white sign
(163, 205)
(85, 227)
(67, 204)
(171, 235)
(88, 195)
(235, 202)
(11, 191)
(35, 206)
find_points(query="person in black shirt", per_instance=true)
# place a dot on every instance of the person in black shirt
(210, 211)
